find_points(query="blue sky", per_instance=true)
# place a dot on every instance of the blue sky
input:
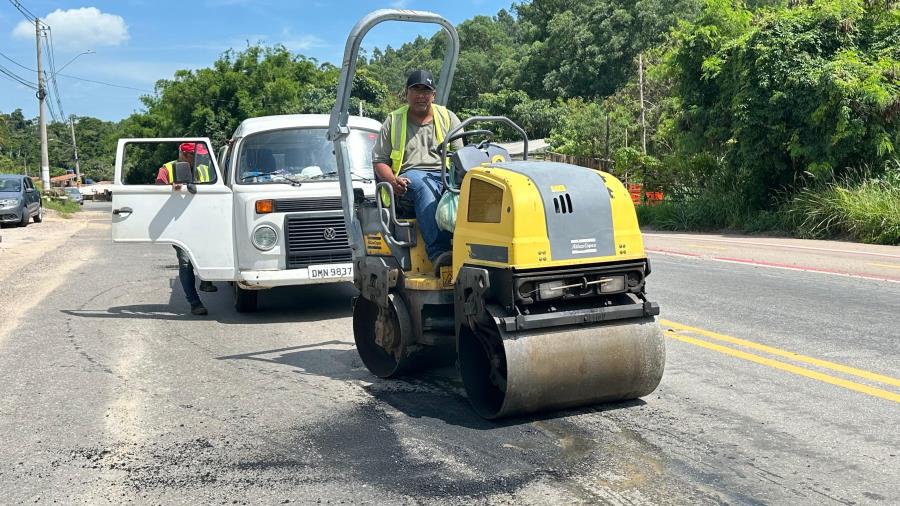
(137, 42)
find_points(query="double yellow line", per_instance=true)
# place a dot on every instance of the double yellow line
(678, 331)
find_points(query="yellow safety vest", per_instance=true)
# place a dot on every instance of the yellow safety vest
(202, 172)
(399, 119)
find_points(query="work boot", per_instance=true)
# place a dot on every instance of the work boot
(207, 286)
(198, 309)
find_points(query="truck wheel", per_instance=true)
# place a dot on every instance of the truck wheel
(245, 301)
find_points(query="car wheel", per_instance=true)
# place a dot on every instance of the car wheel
(39, 217)
(245, 301)
(25, 218)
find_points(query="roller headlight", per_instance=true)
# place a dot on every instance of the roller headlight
(264, 237)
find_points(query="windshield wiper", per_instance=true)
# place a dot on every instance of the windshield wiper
(359, 177)
(293, 180)
(362, 178)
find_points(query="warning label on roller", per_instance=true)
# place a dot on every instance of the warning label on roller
(584, 246)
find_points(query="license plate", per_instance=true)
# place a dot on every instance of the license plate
(327, 271)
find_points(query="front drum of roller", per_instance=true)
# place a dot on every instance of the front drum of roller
(510, 373)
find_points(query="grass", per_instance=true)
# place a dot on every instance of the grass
(65, 208)
(710, 212)
(868, 211)
(864, 211)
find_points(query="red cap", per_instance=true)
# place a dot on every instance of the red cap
(190, 147)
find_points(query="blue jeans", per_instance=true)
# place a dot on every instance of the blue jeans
(424, 191)
(186, 276)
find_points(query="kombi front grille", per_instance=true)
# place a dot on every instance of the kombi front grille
(308, 204)
(316, 240)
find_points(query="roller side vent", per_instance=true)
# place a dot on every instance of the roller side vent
(562, 204)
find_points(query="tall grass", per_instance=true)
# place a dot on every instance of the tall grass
(65, 208)
(862, 209)
(865, 211)
(711, 212)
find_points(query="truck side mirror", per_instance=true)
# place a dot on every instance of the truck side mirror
(183, 173)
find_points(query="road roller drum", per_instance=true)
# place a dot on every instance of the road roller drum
(511, 373)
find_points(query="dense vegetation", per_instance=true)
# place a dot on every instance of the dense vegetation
(758, 115)
(20, 146)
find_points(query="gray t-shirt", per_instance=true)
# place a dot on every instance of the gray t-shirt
(420, 140)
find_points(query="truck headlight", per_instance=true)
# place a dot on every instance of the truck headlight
(264, 238)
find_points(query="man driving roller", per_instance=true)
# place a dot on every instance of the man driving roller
(405, 155)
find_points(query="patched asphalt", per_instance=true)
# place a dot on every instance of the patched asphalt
(113, 392)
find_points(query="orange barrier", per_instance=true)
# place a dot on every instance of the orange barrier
(649, 198)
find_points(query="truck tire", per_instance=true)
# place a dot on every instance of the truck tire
(245, 301)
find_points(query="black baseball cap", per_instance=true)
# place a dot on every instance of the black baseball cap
(422, 77)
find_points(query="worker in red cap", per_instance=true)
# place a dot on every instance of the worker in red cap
(187, 152)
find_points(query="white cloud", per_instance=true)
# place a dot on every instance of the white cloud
(400, 4)
(80, 29)
(303, 43)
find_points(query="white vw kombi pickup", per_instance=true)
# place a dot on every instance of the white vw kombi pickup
(265, 212)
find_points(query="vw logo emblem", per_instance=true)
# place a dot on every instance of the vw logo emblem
(329, 234)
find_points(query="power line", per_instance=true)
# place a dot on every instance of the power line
(24, 10)
(48, 40)
(17, 63)
(105, 83)
(17, 78)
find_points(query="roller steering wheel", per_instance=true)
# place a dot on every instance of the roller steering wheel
(486, 133)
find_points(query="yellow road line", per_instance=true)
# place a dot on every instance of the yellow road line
(889, 266)
(850, 385)
(787, 354)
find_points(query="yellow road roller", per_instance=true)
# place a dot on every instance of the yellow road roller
(542, 303)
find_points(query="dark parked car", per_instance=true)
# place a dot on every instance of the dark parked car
(75, 196)
(19, 200)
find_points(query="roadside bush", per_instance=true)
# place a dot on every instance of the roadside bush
(65, 208)
(866, 211)
(712, 211)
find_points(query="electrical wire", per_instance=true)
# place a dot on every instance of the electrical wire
(17, 63)
(24, 10)
(12, 76)
(105, 83)
(51, 58)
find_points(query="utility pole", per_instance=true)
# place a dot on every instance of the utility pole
(606, 151)
(643, 122)
(42, 124)
(75, 147)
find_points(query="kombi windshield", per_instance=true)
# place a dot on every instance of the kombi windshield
(301, 154)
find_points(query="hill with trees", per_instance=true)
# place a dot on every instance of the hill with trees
(751, 115)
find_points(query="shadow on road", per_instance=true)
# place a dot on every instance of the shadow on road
(278, 305)
(433, 394)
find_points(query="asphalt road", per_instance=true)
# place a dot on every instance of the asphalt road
(781, 387)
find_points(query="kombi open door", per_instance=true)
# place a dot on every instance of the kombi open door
(171, 191)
